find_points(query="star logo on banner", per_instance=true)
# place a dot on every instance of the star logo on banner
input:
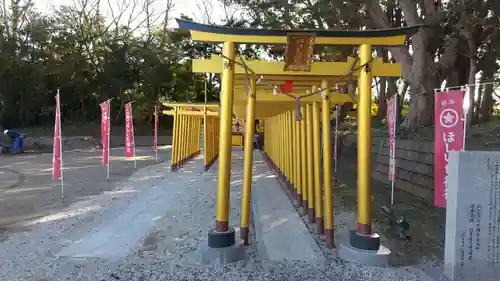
(448, 118)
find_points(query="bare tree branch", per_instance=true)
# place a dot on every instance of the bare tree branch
(170, 5)
(206, 8)
(116, 18)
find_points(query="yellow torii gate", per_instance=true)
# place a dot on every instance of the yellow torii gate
(186, 144)
(294, 124)
(266, 105)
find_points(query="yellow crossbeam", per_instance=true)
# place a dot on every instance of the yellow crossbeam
(270, 82)
(210, 106)
(269, 88)
(268, 96)
(379, 68)
(252, 39)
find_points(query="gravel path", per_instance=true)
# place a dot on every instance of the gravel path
(170, 251)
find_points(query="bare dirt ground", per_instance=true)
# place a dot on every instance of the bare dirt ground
(27, 191)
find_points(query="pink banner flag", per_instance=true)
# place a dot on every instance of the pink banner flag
(129, 131)
(105, 111)
(391, 125)
(448, 136)
(56, 149)
(155, 140)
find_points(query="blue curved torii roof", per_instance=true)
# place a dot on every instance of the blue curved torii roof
(370, 33)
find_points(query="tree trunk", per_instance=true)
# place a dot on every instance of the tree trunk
(419, 67)
(382, 95)
(489, 68)
(487, 102)
(382, 98)
(82, 109)
(401, 101)
(392, 87)
(477, 104)
(421, 106)
(472, 74)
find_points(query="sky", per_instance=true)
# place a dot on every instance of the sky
(190, 8)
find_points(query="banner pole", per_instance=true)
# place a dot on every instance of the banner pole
(337, 115)
(60, 147)
(392, 191)
(465, 131)
(465, 110)
(395, 110)
(156, 133)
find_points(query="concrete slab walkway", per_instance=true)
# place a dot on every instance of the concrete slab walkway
(280, 231)
(115, 237)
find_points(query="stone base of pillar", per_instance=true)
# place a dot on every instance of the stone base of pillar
(223, 248)
(364, 242)
(362, 249)
(221, 239)
(224, 255)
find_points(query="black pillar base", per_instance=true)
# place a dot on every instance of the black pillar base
(364, 242)
(221, 239)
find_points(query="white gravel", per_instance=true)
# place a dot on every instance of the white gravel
(171, 250)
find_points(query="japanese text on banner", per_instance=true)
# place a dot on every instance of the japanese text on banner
(56, 153)
(129, 131)
(448, 136)
(391, 125)
(105, 132)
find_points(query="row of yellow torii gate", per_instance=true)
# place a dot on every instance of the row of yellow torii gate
(293, 122)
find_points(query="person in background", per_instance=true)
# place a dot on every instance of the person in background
(256, 141)
(17, 140)
(256, 136)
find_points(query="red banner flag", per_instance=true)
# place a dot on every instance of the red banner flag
(448, 136)
(57, 147)
(155, 140)
(105, 111)
(129, 131)
(391, 125)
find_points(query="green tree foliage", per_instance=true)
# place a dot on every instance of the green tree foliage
(89, 60)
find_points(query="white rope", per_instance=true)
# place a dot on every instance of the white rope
(467, 85)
